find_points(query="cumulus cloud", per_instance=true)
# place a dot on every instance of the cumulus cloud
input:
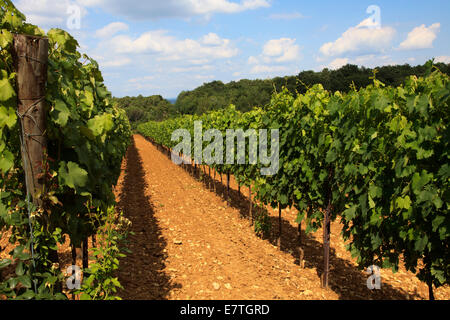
(278, 55)
(204, 77)
(49, 13)
(368, 61)
(338, 63)
(253, 60)
(165, 47)
(282, 50)
(55, 13)
(115, 63)
(170, 48)
(111, 29)
(278, 51)
(263, 69)
(141, 79)
(191, 69)
(421, 37)
(443, 59)
(211, 39)
(155, 9)
(362, 38)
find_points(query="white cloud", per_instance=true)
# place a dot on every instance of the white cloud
(191, 69)
(169, 55)
(368, 61)
(224, 6)
(141, 79)
(253, 60)
(48, 13)
(91, 3)
(142, 86)
(372, 61)
(169, 48)
(211, 39)
(54, 13)
(259, 69)
(156, 9)
(278, 51)
(114, 63)
(198, 61)
(361, 38)
(203, 77)
(338, 63)
(278, 56)
(443, 59)
(286, 16)
(421, 37)
(282, 50)
(111, 29)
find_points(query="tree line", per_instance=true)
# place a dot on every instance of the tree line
(246, 94)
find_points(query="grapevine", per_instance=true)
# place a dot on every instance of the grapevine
(376, 158)
(87, 139)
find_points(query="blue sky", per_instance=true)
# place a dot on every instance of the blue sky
(164, 47)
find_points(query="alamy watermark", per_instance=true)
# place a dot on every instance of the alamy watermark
(74, 281)
(374, 281)
(374, 21)
(235, 143)
(74, 17)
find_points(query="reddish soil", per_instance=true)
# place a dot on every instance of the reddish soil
(189, 244)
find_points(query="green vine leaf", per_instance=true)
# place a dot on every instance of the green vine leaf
(6, 161)
(72, 175)
(6, 90)
(61, 113)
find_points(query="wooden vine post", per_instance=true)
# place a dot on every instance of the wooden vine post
(228, 188)
(209, 175)
(85, 248)
(301, 252)
(250, 203)
(30, 55)
(279, 227)
(74, 263)
(327, 233)
(326, 246)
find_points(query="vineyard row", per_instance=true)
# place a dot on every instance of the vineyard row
(377, 158)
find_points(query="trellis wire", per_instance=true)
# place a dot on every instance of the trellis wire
(25, 156)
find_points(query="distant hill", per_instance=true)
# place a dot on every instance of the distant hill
(245, 94)
(143, 109)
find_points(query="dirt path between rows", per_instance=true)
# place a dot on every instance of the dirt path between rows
(189, 244)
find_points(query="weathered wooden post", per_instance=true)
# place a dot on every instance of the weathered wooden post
(85, 248)
(74, 263)
(326, 246)
(301, 252)
(279, 226)
(228, 188)
(30, 55)
(327, 232)
(210, 178)
(250, 203)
